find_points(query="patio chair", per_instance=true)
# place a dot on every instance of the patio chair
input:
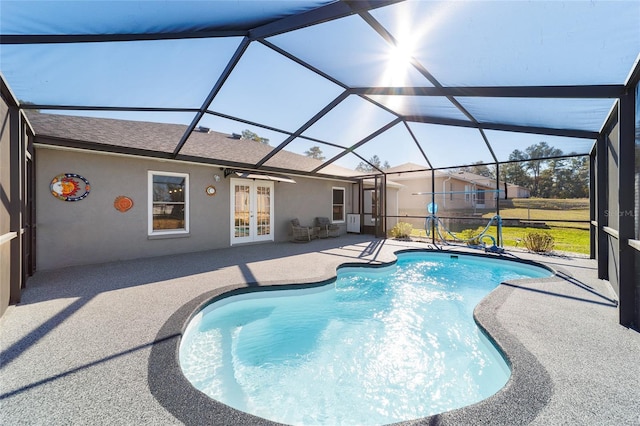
(302, 233)
(326, 228)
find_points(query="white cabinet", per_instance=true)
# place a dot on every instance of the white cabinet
(353, 223)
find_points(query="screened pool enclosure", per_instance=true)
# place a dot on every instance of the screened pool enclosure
(481, 105)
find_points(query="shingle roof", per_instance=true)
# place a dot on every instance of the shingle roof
(161, 137)
(406, 167)
(118, 133)
(418, 171)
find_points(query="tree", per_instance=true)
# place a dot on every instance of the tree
(315, 152)
(540, 150)
(375, 163)
(515, 173)
(572, 179)
(548, 183)
(248, 134)
(547, 177)
(479, 168)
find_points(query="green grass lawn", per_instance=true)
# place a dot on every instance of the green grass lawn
(568, 236)
(549, 203)
(541, 209)
(573, 240)
(565, 239)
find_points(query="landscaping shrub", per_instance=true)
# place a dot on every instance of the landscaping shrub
(470, 236)
(401, 230)
(538, 241)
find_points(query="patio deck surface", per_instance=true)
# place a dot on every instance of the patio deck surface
(77, 349)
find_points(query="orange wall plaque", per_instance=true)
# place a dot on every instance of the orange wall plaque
(123, 203)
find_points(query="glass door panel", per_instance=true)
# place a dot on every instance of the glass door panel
(241, 215)
(263, 211)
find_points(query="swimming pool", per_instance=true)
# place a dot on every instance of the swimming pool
(379, 345)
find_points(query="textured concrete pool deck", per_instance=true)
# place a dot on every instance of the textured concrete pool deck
(93, 344)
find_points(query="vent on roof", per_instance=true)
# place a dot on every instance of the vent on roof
(202, 129)
(235, 136)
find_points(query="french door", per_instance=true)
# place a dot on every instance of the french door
(251, 211)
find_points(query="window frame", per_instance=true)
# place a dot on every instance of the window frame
(344, 204)
(150, 203)
(480, 196)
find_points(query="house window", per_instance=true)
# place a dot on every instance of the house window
(480, 196)
(168, 203)
(338, 205)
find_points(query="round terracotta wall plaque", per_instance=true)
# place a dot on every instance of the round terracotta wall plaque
(122, 203)
(210, 190)
(69, 187)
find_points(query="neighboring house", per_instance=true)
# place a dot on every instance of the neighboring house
(454, 193)
(139, 205)
(515, 191)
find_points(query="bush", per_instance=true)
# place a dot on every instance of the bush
(469, 236)
(401, 230)
(538, 241)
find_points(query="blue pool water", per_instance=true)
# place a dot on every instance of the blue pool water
(381, 345)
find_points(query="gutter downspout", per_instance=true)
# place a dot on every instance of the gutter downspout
(444, 192)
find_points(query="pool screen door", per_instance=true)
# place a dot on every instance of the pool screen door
(251, 211)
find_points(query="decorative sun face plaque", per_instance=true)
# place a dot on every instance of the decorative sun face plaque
(70, 187)
(122, 203)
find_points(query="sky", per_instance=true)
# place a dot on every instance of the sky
(460, 43)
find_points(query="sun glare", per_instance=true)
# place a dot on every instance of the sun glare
(398, 64)
(401, 53)
(411, 37)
